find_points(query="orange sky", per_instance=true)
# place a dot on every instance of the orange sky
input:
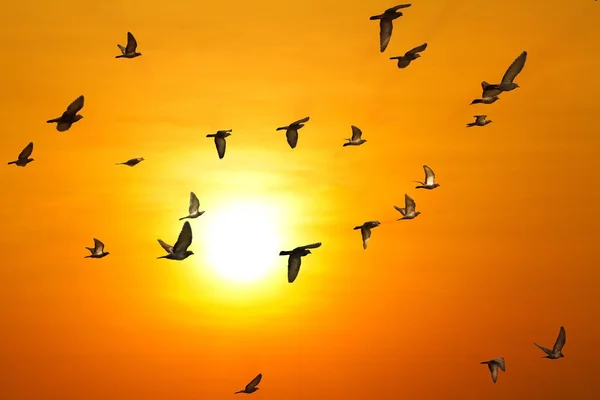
(501, 256)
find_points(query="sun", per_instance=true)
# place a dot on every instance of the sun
(243, 242)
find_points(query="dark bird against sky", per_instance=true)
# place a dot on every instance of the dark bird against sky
(70, 116)
(386, 25)
(23, 158)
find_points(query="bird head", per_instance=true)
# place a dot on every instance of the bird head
(142, 158)
(417, 213)
(226, 134)
(106, 253)
(489, 121)
(139, 54)
(516, 85)
(77, 117)
(417, 55)
(561, 355)
(307, 252)
(436, 185)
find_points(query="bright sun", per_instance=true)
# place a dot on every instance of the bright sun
(243, 242)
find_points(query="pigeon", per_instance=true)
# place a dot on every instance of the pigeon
(220, 141)
(70, 116)
(180, 250)
(404, 61)
(23, 158)
(356, 139)
(480, 120)
(295, 259)
(365, 231)
(556, 351)
(511, 73)
(493, 366)
(132, 162)
(386, 26)
(251, 387)
(98, 250)
(129, 51)
(486, 100)
(429, 183)
(291, 131)
(194, 206)
(409, 211)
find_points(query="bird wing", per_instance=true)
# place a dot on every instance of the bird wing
(184, 240)
(494, 370)
(366, 235)
(409, 203)
(417, 49)
(291, 135)
(545, 350)
(390, 10)
(385, 33)
(515, 68)
(131, 43)
(294, 262)
(75, 106)
(98, 246)
(221, 146)
(501, 363)
(168, 248)
(254, 382)
(194, 203)
(300, 121)
(26, 152)
(310, 246)
(429, 175)
(401, 210)
(224, 131)
(356, 133)
(560, 340)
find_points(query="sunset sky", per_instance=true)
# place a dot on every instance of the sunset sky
(504, 252)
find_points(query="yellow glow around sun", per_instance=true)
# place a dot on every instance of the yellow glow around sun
(243, 242)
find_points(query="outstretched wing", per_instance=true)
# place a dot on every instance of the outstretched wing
(131, 43)
(98, 246)
(417, 49)
(294, 262)
(494, 370)
(184, 240)
(400, 210)
(300, 121)
(429, 175)
(390, 10)
(385, 33)
(310, 246)
(366, 235)
(356, 133)
(560, 340)
(515, 68)
(168, 248)
(254, 382)
(26, 152)
(501, 363)
(545, 350)
(75, 106)
(292, 137)
(221, 146)
(409, 203)
(194, 203)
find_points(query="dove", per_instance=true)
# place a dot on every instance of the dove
(23, 158)
(429, 183)
(130, 50)
(98, 250)
(493, 366)
(194, 206)
(385, 24)
(132, 162)
(486, 100)
(291, 131)
(70, 116)
(365, 231)
(480, 120)
(180, 250)
(556, 351)
(220, 141)
(295, 259)
(411, 55)
(356, 139)
(511, 73)
(251, 387)
(409, 211)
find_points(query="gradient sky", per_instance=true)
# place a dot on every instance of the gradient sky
(502, 255)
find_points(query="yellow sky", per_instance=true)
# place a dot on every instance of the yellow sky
(502, 255)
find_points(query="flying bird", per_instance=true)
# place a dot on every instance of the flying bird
(252, 386)
(429, 183)
(220, 141)
(291, 131)
(493, 366)
(365, 231)
(295, 259)
(180, 250)
(480, 120)
(386, 26)
(511, 73)
(132, 162)
(556, 351)
(408, 212)
(411, 55)
(356, 139)
(98, 250)
(70, 116)
(23, 158)
(194, 207)
(130, 50)
(486, 100)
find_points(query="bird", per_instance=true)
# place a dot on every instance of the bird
(295, 259)
(409, 211)
(511, 73)
(251, 387)
(194, 206)
(486, 100)
(220, 141)
(413, 54)
(180, 250)
(291, 131)
(493, 366)
(23, 158)
(70, 116)
(98, 250)
(130, 50)
(480, 120)
(386, 25)
(356, 139)
(429, 183)
(556, 351)
(132, 162)
(365, 231)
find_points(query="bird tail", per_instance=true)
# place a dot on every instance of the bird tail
(395, 58)
(12, 162)
(285, 253)
(53, 120)
(420, 187)
(346, 144)
(182, 218)
(283, 128)
(241, 391)
(87, 257)
(470, 124)
(484, 362)
(477, 101)
(121, 56)
(357, 227)
(211, 135)
(374, 17)
(161, 257)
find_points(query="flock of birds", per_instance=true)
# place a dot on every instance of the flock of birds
(179, 251)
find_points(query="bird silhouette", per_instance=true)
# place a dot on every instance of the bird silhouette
(291, 131)
(480, 120)
(179, 251)
(408, 212)
(507, 84)
(130, 50)
(220, 141)
(23, 158)
(194, 207)
(556, 351)
(70, 116)
(295, 259)
(493, 366)
(365, 231)
(252, 386)
(386, 25)
(429, 183)
(356, 139)
(98, 250)
(132, 162)
(411, 55)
